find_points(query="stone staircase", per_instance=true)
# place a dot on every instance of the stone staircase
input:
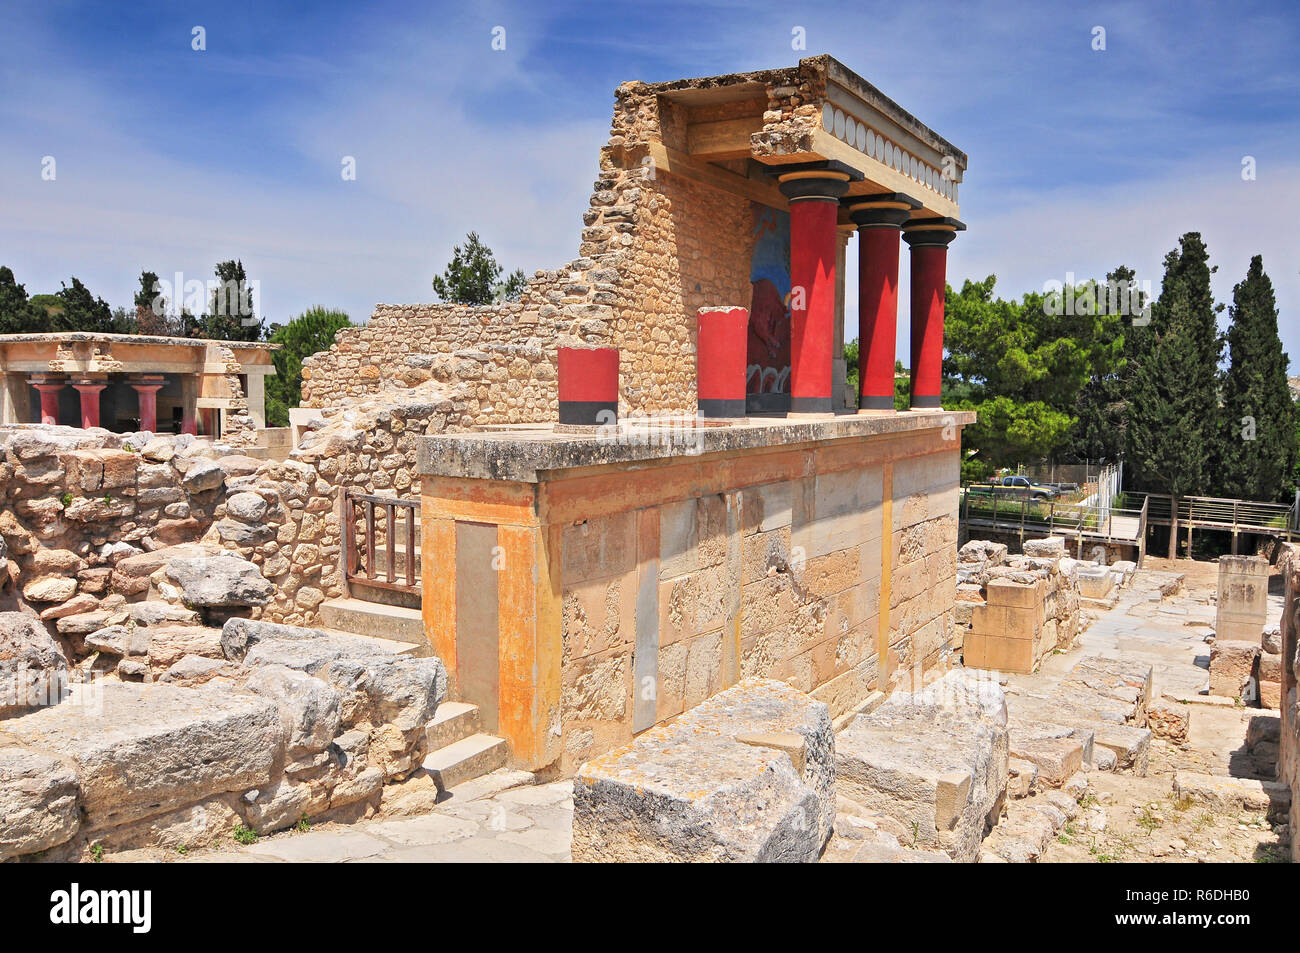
(375, 619)
(458, 750)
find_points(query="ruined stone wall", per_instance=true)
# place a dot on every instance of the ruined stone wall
(654, 247)
(1012, 611)
(74, 504)
(286, 518)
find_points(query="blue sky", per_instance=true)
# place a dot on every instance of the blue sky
(173, 159)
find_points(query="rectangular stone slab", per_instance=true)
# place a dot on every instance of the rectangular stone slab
(155, 747)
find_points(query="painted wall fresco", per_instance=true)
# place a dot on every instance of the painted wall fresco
(768, 369)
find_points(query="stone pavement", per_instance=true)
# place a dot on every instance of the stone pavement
(528, 824)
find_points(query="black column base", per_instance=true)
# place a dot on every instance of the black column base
(875, 403)
(810, 405)
(720, 407)
(926, 402)
(588, 413)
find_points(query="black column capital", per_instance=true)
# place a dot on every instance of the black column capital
(922, 232)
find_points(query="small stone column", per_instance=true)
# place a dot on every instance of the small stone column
(814, 192)
(587, 385)
(879, 220)
(89, 391)
(929, 239)
(146, 389)
(50, 388)
(721, 338)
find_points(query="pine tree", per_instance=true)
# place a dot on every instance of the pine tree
(1173, 407)
(310, 332)
(231, 310)
(1259, 426)
(471, 276)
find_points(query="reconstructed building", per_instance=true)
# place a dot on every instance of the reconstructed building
(128, 382)
(583, 583)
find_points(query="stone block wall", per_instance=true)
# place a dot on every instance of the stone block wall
(1015, 610)
(286, 516)
(663, 586)
(75, 504)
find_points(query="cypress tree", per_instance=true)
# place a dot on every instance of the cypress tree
(1259, 426)
(1173, 410)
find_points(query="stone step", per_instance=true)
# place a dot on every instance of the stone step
(466, 759)
(393, 623)
(453, 721)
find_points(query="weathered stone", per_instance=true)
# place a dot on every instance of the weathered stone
(1232, 665)
(309, 708)
(1169, 720)
(118, 640)
(33, 668)
(141, 749)
(941, 771)
(38, 802)
(712, 786)
(219, 581)
(203, 475)
(247, 507)
(168, 644)
(50, 589)
(1232, 794)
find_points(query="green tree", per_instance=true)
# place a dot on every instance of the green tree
(232, 313)
(1021, 365)
(1259, 425)
(17, 315)
(471, 276)
(305, 335)
(1173, 411)
(1103, 403)
(82, 311)
(150, 312)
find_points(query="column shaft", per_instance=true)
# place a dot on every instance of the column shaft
(929, 241)
(89, 391)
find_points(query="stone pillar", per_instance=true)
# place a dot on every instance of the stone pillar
(721, 338)
(189, 404)
(89, 391)
(814, 194)
(146, 389)
(50, 388)
(879, 220)
(929, 239)
(587, 385)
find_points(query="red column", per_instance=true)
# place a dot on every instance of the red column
(49, 399)
(721, 339)
(147, 393)
(929, 239)
(89, 391)
(814, 214)
(879, 220)
(587, 385)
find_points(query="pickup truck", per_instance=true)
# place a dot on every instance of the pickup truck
(1016, 486)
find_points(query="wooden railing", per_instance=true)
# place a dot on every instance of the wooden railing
(373, 561)
(1236, 516)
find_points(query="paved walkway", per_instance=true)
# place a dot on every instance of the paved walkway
(530, 824)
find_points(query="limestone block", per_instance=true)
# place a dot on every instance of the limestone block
(746, 776)
(941, 771)
(309, 707)
(1232, 794)
(1170, 720)
(140, 749)
(33, 668)
(219, 581)
(1053, 547)
(203, 475)
(50, 588)
(38, 802)
(1232, 664)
